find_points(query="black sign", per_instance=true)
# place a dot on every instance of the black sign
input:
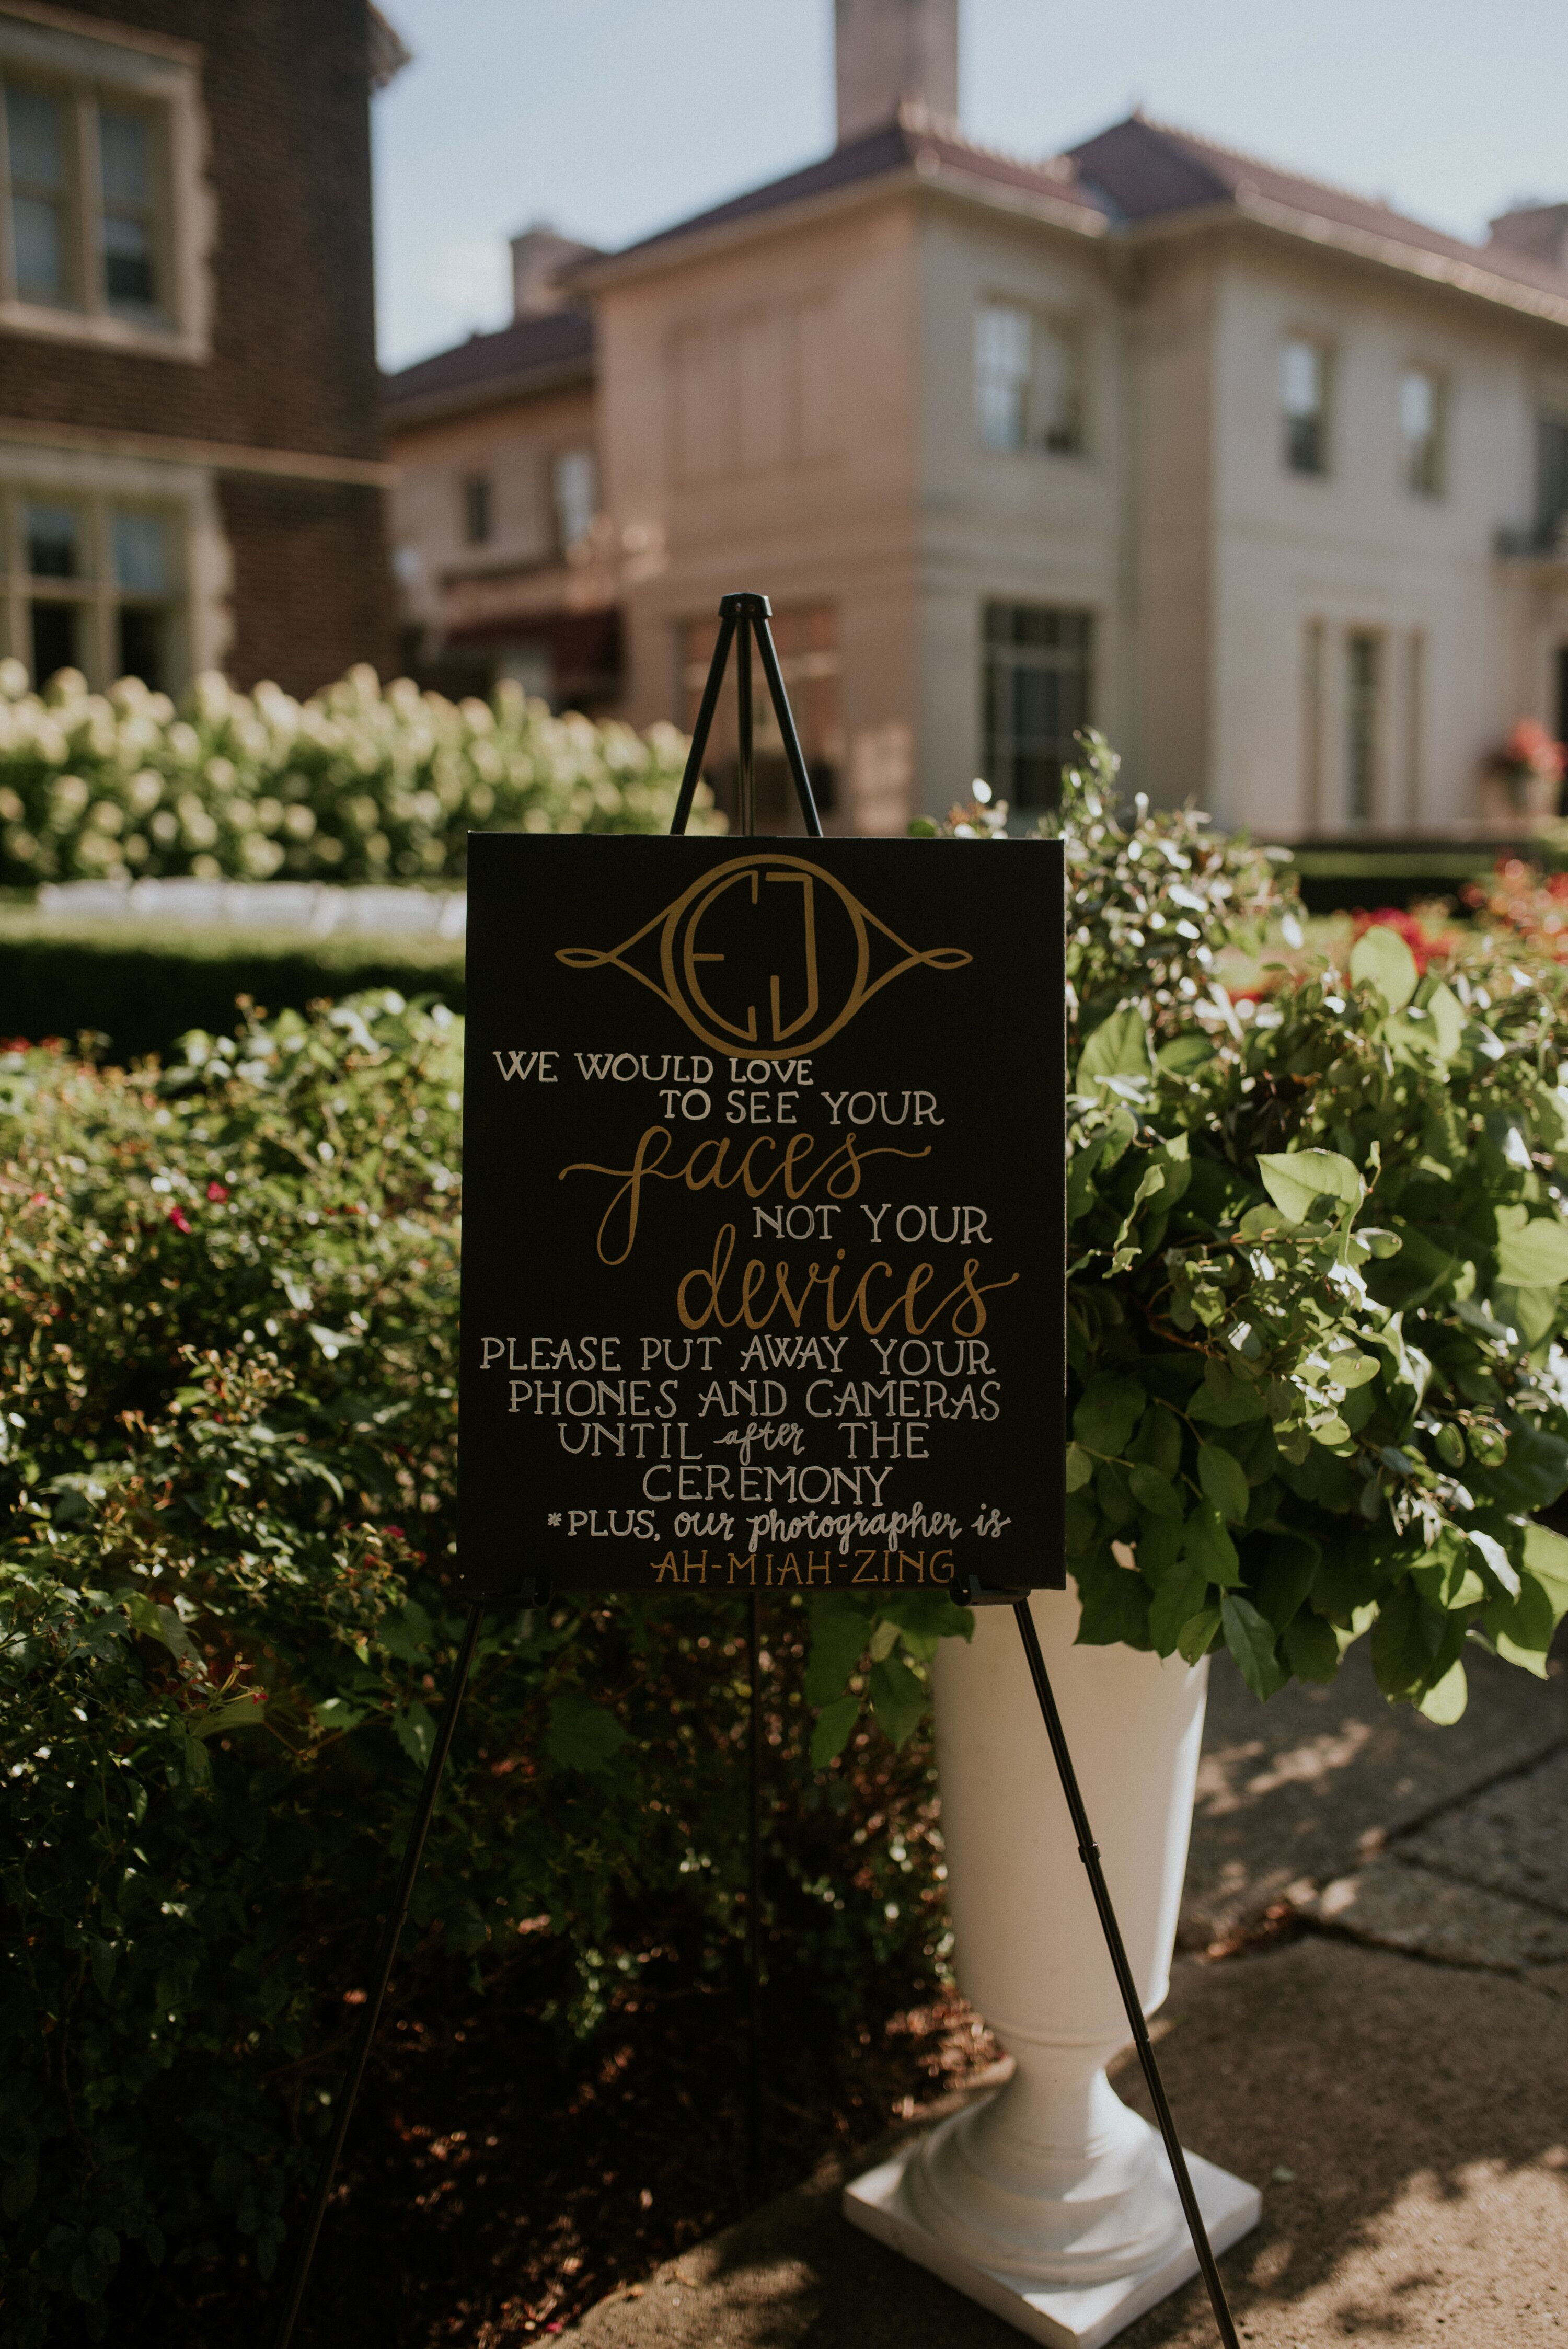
(763, 1222)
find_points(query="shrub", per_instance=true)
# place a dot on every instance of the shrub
(1319, 1245)
(138, 985)
(359, 783)
(227, 1351)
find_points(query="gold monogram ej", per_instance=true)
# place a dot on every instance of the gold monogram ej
(797, 1020)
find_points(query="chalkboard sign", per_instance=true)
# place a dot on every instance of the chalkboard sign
(763, 1221)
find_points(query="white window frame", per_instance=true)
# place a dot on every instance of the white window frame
(1427, 492)
(1066, 327)
(1326, 366)
(583, 458)
(88, 64)
(200, 578)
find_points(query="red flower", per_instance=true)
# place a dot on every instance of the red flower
(178, 1218)
(217, 1190)
(1395, 917)
(396, 1532)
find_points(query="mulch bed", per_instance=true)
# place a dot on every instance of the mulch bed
(498, 2183)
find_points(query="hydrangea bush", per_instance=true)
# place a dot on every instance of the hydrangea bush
(362, 782)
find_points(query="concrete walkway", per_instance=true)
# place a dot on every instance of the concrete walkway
(1395, 2077)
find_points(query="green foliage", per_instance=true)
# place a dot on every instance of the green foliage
(1318, 1275)
(1318, 1244)
(140, 984)
(228, 1319)
(359, 783)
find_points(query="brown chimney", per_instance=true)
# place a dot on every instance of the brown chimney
(892, 52)
(537, 256)
(1540, 230)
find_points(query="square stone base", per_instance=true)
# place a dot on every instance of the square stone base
(1063, 2316)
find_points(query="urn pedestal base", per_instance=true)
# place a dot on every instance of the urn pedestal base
(1062, 2316)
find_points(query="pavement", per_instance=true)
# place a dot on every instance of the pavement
(1369, 2021)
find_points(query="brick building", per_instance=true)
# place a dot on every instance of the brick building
(189, 457)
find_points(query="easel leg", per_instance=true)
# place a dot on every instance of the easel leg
(1088, 1852)
(413, 1852)
(754, 1897)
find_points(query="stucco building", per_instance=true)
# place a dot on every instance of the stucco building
(190, 471)
(1262, 477)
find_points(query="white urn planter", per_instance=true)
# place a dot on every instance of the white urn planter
(1050, 2201)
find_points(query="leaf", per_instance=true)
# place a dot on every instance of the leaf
(1448, 1021)
(160, 1623)
(1287, 1577)
(1311, 1649)
(1177, 1600)
(1197, 1634)
(1380, 958)
(237, 1712)
(898, 1700)
(1296, 1179)
(839, 1643)
(831, 1733)
(925, 1618)
(1445, 1699)
(1225, 1400)
(582, 1735)
(1114, 1607)
(1224, 1481)
(1117, 1048)
(1496, 1559)
(1536, 1255)
(416, 1732)
(1080, 1468)
(1156, 1493)
(1251, 1640)
(1185, 1055)
(1209, 1547)
(1108, 1411)
(1546, 1557)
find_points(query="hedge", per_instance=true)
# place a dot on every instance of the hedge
(140, 985)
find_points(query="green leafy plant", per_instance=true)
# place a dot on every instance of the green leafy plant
(1319, 1245)
(228, 1322)
(362, 782)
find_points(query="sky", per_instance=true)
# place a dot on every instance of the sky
(610, 118)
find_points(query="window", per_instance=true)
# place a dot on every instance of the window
(72, 161)
(1038, 692)
(1364, 717)
(1420, 431)
(574, 483)
(477, 516)
(1551, 477)
(1028, 380)
(1303, 406)
(105, 210)
(128, 175)
(91, 584)
(37, 132)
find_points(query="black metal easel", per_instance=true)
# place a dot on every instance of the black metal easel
(744, 621)
(1088, 1852)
